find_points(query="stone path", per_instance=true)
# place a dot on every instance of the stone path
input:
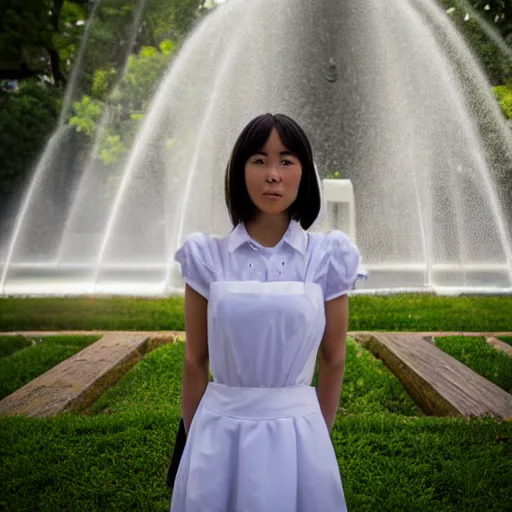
(441, 385)
(77, 382)
(438, 383)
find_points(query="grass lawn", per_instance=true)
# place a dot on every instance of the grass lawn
(389, 313)
(481, 357)
(394, 463)
(155, 384)
(392, 458)
(19, 367)
(115, 462)
(11, 344)
(116, 457)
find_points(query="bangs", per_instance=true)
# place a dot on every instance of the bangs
(290, 134)
(254, 138)
(294, 139)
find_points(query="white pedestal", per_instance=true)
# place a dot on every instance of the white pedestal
(340, 207)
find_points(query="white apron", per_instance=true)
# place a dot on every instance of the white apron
(258, 441)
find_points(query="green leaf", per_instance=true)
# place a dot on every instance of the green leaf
(503, 94)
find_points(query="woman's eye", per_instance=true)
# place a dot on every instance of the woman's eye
(258, 161)
(287, 162)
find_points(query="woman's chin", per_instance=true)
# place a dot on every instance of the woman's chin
(272, 209)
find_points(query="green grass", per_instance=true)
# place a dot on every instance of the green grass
(389, 462)
(370, 388)
(155, 384)
(506, 339)
(116, 457)
(119, 462)
(481, 357)
(393, 463)
(391, 457)
(22, 366)
(387, 313)
(11, 344)
(91, 313)
(86, 463)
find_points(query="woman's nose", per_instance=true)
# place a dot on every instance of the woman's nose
(273, 173)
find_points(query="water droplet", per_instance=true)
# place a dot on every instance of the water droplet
(331, 75)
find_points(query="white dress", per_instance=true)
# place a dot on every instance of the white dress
(258, 441)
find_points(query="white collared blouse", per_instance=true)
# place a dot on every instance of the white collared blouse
(330, 260)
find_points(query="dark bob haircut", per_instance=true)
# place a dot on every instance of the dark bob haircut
(306, 207)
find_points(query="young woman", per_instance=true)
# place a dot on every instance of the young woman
(259, 305)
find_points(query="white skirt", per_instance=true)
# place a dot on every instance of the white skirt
(258, 450)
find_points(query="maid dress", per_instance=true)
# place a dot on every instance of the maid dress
(258, 441)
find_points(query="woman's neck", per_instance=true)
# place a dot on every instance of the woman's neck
(268, 230)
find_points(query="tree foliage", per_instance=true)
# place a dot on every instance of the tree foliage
(33, 33)
(114, 105)
(498, 14)
(27, 116)
(39, 43)
(126, 103)
(40, 38)
(504, 96)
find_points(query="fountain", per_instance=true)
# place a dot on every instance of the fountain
(390, 96)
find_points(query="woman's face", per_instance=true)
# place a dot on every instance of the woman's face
(272, 176)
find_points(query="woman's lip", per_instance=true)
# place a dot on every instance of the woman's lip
(272, 194)
(272, 197)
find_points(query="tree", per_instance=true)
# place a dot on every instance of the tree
(168, 20)
(498, 13)
(496, 64)
(40, 38)
(39, 43)
(504, 96)
(122, 27)
(127, 102)
(28, 44)
(26, 118)
(124, 101)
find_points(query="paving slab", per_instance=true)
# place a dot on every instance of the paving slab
(438, 383)
(76, 383)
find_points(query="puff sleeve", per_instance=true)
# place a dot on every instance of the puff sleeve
(340, 265)
(195, 259)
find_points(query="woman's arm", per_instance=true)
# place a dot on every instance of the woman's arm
(195, 369)
(332, 357)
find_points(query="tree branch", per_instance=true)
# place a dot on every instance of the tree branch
(58, 76)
